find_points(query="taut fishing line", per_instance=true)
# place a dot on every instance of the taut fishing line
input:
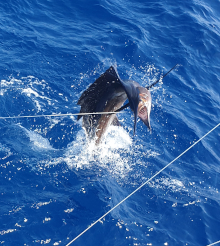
(214, 243)
(55, 115)
(99, 220)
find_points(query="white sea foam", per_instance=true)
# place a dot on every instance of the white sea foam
(172, 184)
(38, 141)
(28, 86)
(81, 154)
(7, 231)
(6, 152)
(30, 93)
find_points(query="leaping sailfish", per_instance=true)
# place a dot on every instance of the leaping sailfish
(107, 94)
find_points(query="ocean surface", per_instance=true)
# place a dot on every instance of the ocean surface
(53, 182)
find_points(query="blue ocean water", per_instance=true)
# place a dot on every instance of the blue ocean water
(53, 184)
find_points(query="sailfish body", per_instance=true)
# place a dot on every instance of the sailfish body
(107, 94)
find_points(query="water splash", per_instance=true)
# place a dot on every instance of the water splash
(82, 154)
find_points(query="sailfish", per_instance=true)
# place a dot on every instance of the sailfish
(108, 94)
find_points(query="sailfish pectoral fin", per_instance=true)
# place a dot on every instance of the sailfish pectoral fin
(132, 91)
(135, 118)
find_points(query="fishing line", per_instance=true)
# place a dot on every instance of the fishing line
(213, 243)
(59, 115)
(99, 220)
(150, 86)
(55, 115)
